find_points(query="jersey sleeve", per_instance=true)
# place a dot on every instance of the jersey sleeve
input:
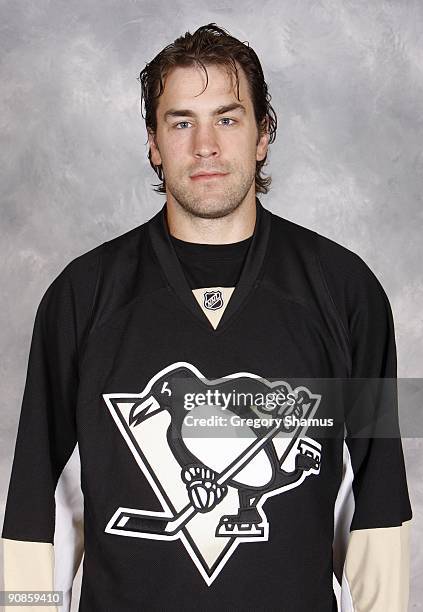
(373, 511)
(42, 536)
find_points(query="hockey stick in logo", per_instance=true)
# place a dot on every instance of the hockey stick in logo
(167, 527)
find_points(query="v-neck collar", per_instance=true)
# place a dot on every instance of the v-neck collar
(172, 268)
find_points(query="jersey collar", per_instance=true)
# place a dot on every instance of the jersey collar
(249, 278)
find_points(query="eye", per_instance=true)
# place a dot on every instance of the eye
(228, 119)
(176, 124)
(186, 122)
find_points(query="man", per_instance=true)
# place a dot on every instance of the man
(151, 336)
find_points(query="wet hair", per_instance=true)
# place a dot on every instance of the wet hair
(209, 45)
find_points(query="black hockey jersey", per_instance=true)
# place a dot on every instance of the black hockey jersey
(135, 450)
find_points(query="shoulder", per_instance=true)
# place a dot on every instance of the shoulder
(76, 285)
(116, 250)
(350, 287)
(67, 308)
(113, 254)
(342, 269)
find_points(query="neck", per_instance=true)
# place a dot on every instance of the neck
(234, 227)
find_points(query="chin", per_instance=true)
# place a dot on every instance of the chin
(208, 205)
(212, 214)
(210, 210)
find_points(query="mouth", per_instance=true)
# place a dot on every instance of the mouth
(207, 177)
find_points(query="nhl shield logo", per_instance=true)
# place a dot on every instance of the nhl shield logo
(213, 300)
(212, 490)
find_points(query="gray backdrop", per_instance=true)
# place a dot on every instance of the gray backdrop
(346, 79)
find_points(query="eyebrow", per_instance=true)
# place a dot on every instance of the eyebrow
(186, 112)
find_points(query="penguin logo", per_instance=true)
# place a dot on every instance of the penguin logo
(213, 300)
(212, 489)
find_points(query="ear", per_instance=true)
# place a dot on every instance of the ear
(155, 153)
(263, 142)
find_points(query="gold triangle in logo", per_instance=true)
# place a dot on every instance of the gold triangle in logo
(213, 301)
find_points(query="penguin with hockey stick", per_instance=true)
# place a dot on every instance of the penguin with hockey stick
(255, 471)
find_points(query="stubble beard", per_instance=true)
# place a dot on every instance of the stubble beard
(208, 200)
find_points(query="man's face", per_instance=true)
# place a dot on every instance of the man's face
(194, 134)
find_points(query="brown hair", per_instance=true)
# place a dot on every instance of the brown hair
(209, 45)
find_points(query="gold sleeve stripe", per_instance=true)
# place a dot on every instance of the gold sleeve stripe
(376, 571)
(28, 566)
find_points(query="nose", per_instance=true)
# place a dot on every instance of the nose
(205, 142)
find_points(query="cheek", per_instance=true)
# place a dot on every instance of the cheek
(175, 150)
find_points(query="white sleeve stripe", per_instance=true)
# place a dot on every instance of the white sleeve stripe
(69, 527)
(343, 514)
(347, 604)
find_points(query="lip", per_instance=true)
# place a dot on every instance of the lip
(206, 176)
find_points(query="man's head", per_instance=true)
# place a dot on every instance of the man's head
(207, 109)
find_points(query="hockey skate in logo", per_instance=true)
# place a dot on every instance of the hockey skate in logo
(213, 300)
(212, 489)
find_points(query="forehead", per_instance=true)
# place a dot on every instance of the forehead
(184, 86)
